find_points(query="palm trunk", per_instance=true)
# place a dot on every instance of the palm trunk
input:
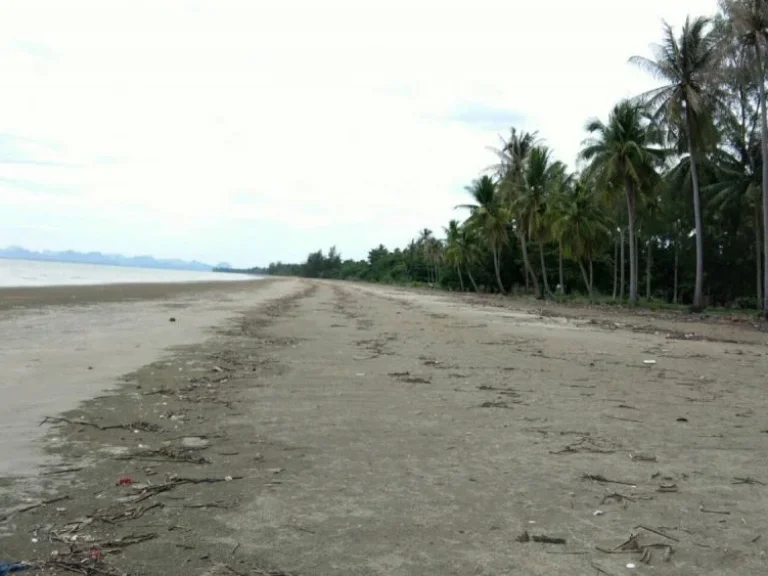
(528, 267)
(630, 189)
(591, 274)
(648, 270)
(764, 130)
(615, 268)
(560, 266)
(623, 266)
(496, 268)
(677, 260)
(758, 257)
(586, 279)
(544, 269)
(472, 279)
(461, 280)
(698, 292)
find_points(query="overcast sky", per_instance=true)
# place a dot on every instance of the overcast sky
(251, 131)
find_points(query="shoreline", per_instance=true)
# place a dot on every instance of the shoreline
(78, 294)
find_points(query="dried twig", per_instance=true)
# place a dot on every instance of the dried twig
(34, 506)
(708, 511)
(600, 570)
(659, 532)
(604, 480)
(143, 426)
(543, 538)
(748, 480)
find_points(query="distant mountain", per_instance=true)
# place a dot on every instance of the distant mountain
(19, 253)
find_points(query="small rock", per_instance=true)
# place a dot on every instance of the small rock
(194, 442)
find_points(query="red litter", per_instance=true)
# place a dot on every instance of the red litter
(125, 481)
(95, 553)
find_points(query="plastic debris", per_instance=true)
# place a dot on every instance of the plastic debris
(649, 362)
(631, 565)
(7, 567)
(598, 513)
(125, 481)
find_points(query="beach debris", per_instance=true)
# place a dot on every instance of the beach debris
(747, 480)
(542, 538)
(640, 457)
(602, 479)
(138, 425)
(171, 319)
(632, 545)
(681, 419)
(708, 511)
(124, 481)
(649, 362)
(598, 513)
(175, 481)
(631, 565)
(165, 453)
(33, 507)
(667, 488)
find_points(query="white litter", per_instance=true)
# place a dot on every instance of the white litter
(649, 362)
(598, 513)
(631, 565)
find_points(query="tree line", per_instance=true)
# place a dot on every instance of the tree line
(670, 198)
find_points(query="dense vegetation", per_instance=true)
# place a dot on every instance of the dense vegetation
(671, 199)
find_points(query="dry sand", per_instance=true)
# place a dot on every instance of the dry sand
(345, 429)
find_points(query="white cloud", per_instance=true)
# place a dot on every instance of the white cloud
(211, 130)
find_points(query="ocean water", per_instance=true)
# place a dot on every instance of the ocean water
(16, 273)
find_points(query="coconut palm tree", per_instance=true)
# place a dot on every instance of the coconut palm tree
(489, 217)
(748, 20)
(514, 156)
(622, 153)
(581, 224)
(688, 66)
(453, 253)
(540, 180)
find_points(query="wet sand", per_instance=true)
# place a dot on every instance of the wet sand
(53, 356)
(356, 429)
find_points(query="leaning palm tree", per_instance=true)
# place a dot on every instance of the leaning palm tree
(489, 216)
(686, 103)
(748, 20)
(623, 153)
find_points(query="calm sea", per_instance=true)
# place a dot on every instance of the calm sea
(32, 273)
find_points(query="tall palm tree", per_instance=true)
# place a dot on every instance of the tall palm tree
(748, 21)
(581, 224)
(489, 216)
(453, 253)
(622, 153)
(559, 196)
(540, 180)
(514, 157)
(686, 102)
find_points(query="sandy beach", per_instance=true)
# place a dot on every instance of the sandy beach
(313, 428)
